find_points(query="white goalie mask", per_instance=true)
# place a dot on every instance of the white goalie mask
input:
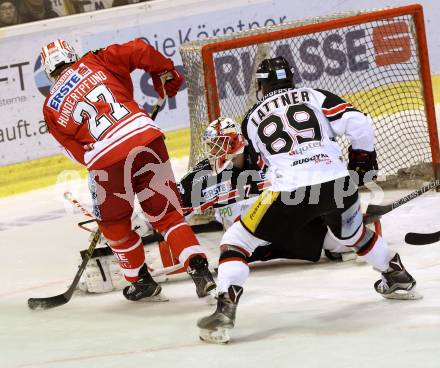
(56, 54)
(222, 141)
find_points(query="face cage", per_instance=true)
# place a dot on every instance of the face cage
(217, 151)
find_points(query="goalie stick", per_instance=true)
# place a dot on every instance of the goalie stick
(57, 300)
(68, 196)
(422, 239)
(376, 211)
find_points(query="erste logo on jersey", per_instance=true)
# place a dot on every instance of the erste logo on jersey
(217, 189)
(66, 84)
(263, 174)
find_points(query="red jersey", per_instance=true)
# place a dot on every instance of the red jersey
(92, 104)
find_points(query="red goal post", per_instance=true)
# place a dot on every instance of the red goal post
(377, 60)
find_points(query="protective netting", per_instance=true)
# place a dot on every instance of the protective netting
(374, 65)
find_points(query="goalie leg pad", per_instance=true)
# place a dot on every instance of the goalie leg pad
(102, 275)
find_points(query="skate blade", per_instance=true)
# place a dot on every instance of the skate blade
(219, 336)
(155, 299)
(403, 295)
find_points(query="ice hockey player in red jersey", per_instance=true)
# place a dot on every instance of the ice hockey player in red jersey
(91, 112)
(294, 130)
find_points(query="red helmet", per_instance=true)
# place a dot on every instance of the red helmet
(222, 140)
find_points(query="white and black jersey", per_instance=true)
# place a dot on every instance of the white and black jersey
(229, 192)
(294, 129)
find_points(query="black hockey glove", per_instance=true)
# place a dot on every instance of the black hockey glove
(363, 163)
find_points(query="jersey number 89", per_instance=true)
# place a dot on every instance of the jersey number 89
(279, 138)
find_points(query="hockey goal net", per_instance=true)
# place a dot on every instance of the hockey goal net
(377, 60)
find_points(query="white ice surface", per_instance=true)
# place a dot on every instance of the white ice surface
(292, 314)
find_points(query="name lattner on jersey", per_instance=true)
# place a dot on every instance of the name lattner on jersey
(290, 97)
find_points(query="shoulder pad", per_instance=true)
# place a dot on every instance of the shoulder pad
(244, 123)
(189, 176)
(95, 51)
(202, 165)
(251, 110)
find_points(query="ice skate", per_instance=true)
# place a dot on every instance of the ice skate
(202, 277)
(396, 282)
(215, 328)
(146, 288)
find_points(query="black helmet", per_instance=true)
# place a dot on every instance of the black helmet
(274, 74)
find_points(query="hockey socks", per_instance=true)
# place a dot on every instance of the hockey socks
(183, 243)
(376, 252)
(131, 256)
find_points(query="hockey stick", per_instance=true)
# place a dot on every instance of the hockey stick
(57, 300)
(156, 108)
(83, 223)
(422, 239)
(160, 101)
(375, 211)
(165, 270)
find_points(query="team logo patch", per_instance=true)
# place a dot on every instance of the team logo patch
(217, 189)
(318, 158)
(69, 81)
(281, 74)
(83, 70)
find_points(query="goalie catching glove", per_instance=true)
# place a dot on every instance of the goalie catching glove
(167, 82)
(364, 163)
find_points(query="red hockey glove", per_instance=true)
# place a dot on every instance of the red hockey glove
(364, 163)
(169, 80)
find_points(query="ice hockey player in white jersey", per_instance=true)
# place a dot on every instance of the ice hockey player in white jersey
(294, 129)
(229, 181)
